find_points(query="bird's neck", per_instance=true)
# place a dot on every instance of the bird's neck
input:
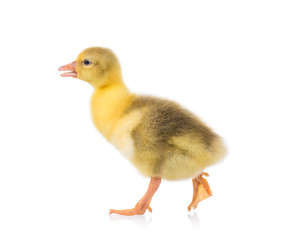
(107, 106)
(112, 77)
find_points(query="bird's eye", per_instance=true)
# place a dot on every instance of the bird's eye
(86, 62)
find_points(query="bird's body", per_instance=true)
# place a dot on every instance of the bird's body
(160, 138)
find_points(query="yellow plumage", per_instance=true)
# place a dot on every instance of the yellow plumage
(109, 105)
(161, 139)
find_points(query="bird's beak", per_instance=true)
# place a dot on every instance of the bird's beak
(69, 67)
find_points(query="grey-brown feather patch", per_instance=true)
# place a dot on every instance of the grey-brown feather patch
(162, 120)
(165, 118)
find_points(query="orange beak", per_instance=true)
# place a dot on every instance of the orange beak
(71, 67)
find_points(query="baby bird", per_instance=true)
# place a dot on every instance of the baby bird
(158, 136)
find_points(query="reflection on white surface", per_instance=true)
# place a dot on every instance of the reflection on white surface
(193, 217)
(139, 220)
(146, 220)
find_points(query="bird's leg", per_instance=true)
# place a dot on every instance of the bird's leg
(144, 202)
(201, 190)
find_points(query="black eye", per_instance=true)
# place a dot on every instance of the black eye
(86, 62)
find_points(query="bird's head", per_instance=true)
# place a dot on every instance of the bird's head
(97, 66)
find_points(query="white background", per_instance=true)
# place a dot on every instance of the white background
(59, 177)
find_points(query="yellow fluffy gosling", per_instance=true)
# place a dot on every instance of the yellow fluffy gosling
(160, 138)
